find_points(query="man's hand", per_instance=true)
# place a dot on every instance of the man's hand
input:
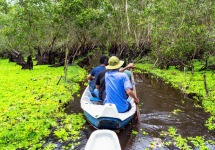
(136, 100)
(130, 65)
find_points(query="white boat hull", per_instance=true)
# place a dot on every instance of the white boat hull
(105, 116)
(103, 140)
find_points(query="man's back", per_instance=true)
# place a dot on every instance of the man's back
(116, 85)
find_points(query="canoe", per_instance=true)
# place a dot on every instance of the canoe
(103, 139)
(105, 116)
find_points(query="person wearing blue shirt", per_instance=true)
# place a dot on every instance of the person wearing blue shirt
(93, 74)
(117, 85)
(100, 91)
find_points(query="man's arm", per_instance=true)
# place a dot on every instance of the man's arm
(131, 65)
(130, 93)
(98, 87)
(90, 77)
(98, 81)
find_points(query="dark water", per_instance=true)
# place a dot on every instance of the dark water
(159, 100)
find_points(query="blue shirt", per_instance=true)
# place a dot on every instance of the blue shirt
(116, 85)
(95, 72)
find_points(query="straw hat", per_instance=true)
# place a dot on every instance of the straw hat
(114, 63)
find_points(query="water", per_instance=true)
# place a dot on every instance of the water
(159, 101)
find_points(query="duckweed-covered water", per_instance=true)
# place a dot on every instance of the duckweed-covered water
(158, 101)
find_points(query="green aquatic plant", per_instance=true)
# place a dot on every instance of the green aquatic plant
(162, 134)
(32, 104)
(210, 123)
(145, 133)
(182, 143)
(172, 131)
(50, 146)
(211, 142)
(178, 110)
(199, 141)
(134, 132)
(175, 111)
(62, 134)
(168, 143)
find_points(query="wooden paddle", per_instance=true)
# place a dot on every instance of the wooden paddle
(134, 90)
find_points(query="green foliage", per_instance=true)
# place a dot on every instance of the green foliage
(175, 111)
(172, 131)
(182, 143)
(88, 16)
(31, 102)
(145, 133)
(50, 146)
(162, 134)
(134, 132)
(211, 142)
(172, 29)
(168, 143)
(4, 6)
(176, 32)
(210, 123)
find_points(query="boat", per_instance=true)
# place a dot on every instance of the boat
(105, 116)
(103, 139)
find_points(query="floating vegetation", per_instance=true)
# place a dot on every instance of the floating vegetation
(32, 105)
(145, 133)
(182, 143)
(134, 132)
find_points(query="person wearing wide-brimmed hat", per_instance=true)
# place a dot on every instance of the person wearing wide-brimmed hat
(117, 85)
(100, 90)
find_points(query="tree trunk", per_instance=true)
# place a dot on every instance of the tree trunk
(128, 22)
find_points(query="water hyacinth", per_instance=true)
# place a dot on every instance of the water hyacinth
(31, 102)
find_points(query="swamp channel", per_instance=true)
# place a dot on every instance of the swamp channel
(161, 107)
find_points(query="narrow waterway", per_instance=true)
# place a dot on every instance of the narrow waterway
(158, 101)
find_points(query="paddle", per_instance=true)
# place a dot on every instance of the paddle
(134, 90)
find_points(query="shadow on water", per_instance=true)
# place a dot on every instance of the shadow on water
(158, 101)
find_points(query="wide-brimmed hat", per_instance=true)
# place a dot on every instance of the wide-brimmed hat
(114, 63)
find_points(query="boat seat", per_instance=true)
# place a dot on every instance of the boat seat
(93, 94)
(95, 99)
